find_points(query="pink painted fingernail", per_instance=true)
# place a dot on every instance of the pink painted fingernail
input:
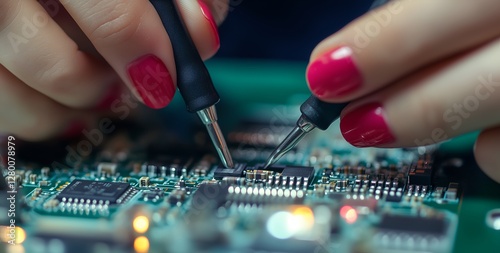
(334, 74)
(208, 15)
(366, 126)
(152, 80)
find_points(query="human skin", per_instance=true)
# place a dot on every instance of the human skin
(60, 60)
(416, 73)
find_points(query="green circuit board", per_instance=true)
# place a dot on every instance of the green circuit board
(142, 191)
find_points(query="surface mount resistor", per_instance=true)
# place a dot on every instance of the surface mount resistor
(33, 178)
(144, 182)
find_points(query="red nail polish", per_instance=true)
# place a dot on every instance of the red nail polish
(208, 15)
(366, 126)
(152, 81)
(334, 74)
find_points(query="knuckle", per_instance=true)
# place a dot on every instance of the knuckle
(58, 79)
(115, 23)
(55, 76)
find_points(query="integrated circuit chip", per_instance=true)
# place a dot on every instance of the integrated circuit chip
(237, 171)
(95, 192)
(413, 224)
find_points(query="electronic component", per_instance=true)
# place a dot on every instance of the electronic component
(95, 192)
(237, 171)
(493, 219)
(153, 195)
(327, 196)
(421, 172)
(144, 182)
(106, 169)
(413, 224)
(451, 192)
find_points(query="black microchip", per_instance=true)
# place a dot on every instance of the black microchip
(237, 171)
(209, 197)
(394, 198)
(93, 192)
(298, 171)
(412, 224)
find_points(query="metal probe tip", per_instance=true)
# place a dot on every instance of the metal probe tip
(303, 127)
(209, 118)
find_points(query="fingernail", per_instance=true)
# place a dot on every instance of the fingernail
(366, 126)
(334, 74)
(208, 15)
(74, 129)
(152, 81)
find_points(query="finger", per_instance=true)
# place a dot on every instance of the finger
(486, 152)
(36, 50)
(130, 36)
(56, 10)
(397, 39)
(27, 113)
(442, 101)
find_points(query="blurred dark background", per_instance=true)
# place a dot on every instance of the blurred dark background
(284, 30)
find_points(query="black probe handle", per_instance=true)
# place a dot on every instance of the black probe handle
(193, 79)
(321, 114)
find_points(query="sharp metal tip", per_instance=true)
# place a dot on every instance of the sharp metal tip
(292, 139)
(209, 118)
(272, 159)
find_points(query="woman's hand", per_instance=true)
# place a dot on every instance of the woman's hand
(60, 58)
(418, 72)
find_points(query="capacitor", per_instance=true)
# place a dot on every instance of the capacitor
(45, 172)
(182, 184)
(152, 170)
(163, 171)
(144, 182)
(144, 168)
(33, 178)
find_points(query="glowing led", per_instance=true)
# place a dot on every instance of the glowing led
(275, 225)
(349, 214)
(303, 217)
(15, 249)
(141, 244)
(17, 234)
(141, 224)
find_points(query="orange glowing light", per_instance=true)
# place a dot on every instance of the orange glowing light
(140, 224)
(16, 235)
(141, 244)
(351, 216)
(304, 216)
